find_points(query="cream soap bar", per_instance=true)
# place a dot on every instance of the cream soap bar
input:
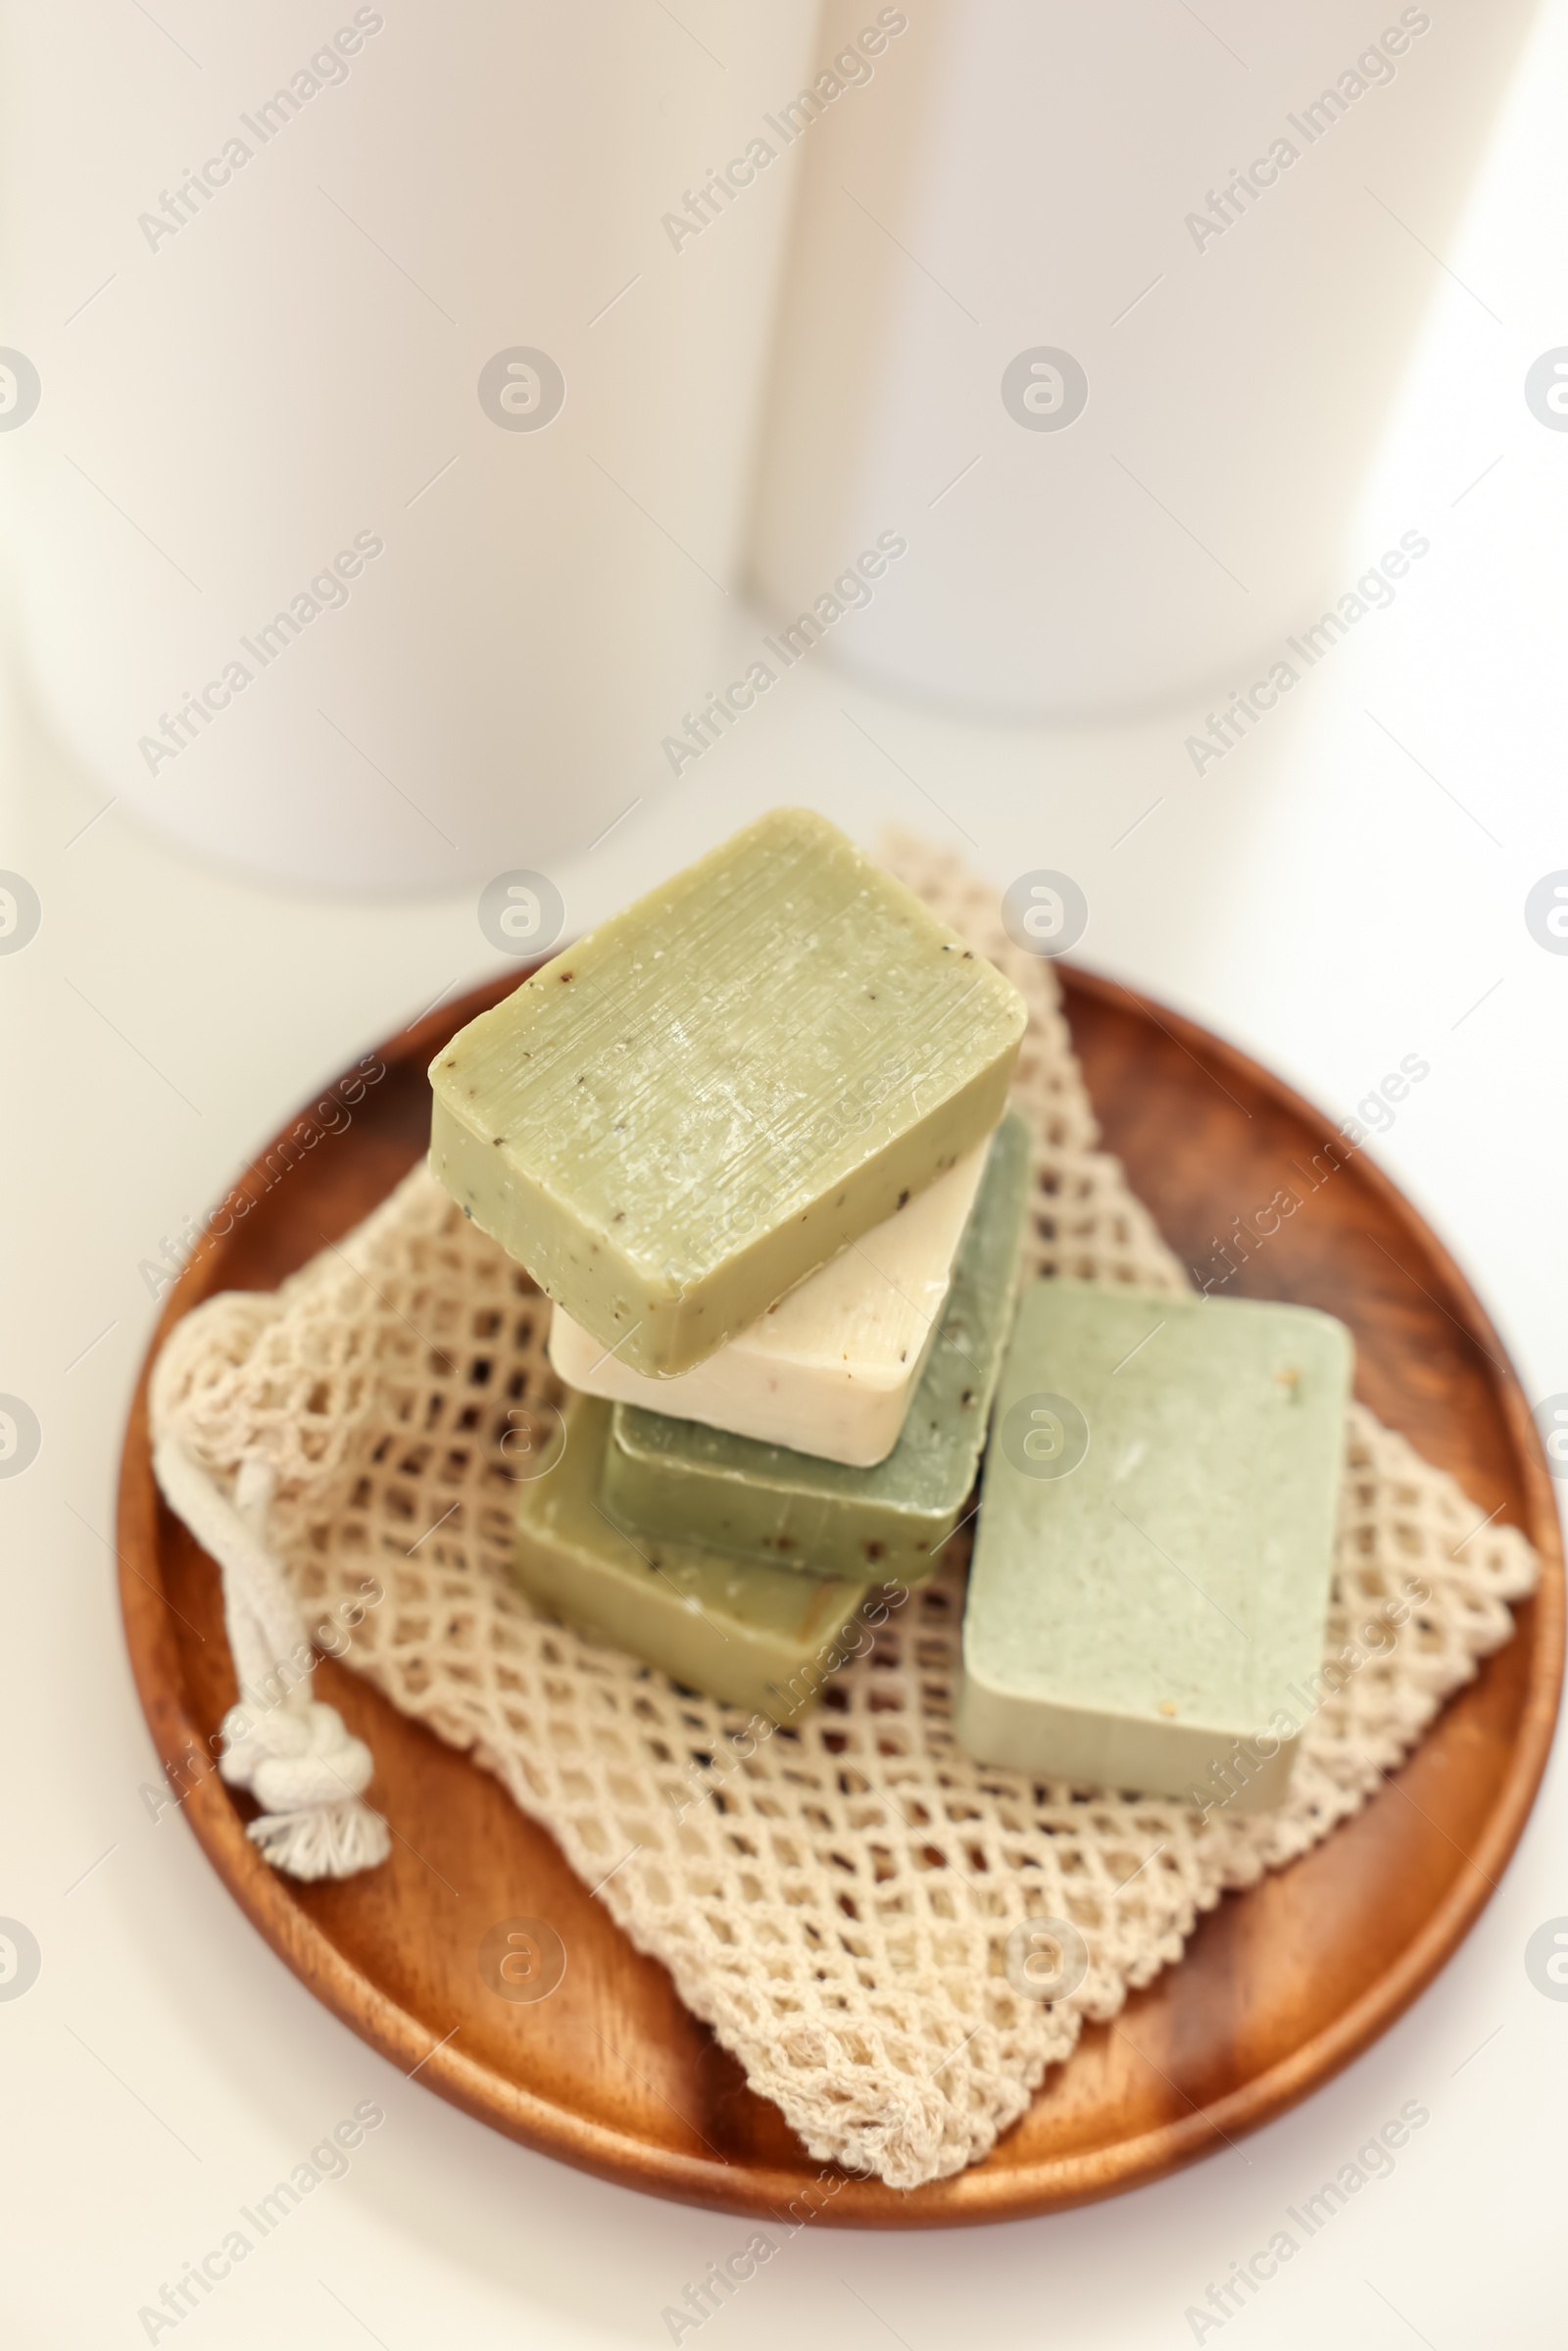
(829, 1370)
(1152, 1568)
(679, 1118)
(752, 1637)
(664, 1476)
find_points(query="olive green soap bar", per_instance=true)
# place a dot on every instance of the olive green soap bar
(1151, 1577)
(667, 1476)
(708, 1098)
(752, 1637)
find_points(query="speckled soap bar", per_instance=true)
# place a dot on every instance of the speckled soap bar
(708, 1098)
(752, 1637)
(1151, 1567)
(674, 1477)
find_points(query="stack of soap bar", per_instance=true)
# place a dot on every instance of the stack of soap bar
(831, 1370)
(752, 1636)
(669, 1478)
(708, 1098)
(1151, 1570)
(735, 1134)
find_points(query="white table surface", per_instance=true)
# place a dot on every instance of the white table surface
(1326, 898)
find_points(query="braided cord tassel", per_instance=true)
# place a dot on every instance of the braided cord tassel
(296, 1755)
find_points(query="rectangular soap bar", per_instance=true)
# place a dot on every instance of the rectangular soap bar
(679, 1118)
(1152, 1568)
(752, 1637)
(676, 1477)
(832, 1368)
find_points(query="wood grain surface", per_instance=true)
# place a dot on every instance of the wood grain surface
(1280, 1986)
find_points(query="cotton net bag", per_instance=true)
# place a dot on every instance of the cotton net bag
(845, 1902)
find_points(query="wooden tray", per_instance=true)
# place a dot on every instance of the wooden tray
(1280, 1986)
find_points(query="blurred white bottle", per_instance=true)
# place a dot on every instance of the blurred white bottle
(1104, 308)
(249, 374)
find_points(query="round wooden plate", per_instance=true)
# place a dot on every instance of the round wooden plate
(1279, 1988)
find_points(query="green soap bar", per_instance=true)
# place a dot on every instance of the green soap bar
(708, 1098)
(1152, 1568)
(752, 1636)
(677, 1477)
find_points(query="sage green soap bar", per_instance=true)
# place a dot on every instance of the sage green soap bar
(752, 1636)
(708, 1098)
(1150, 1575)
(667, 1476)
